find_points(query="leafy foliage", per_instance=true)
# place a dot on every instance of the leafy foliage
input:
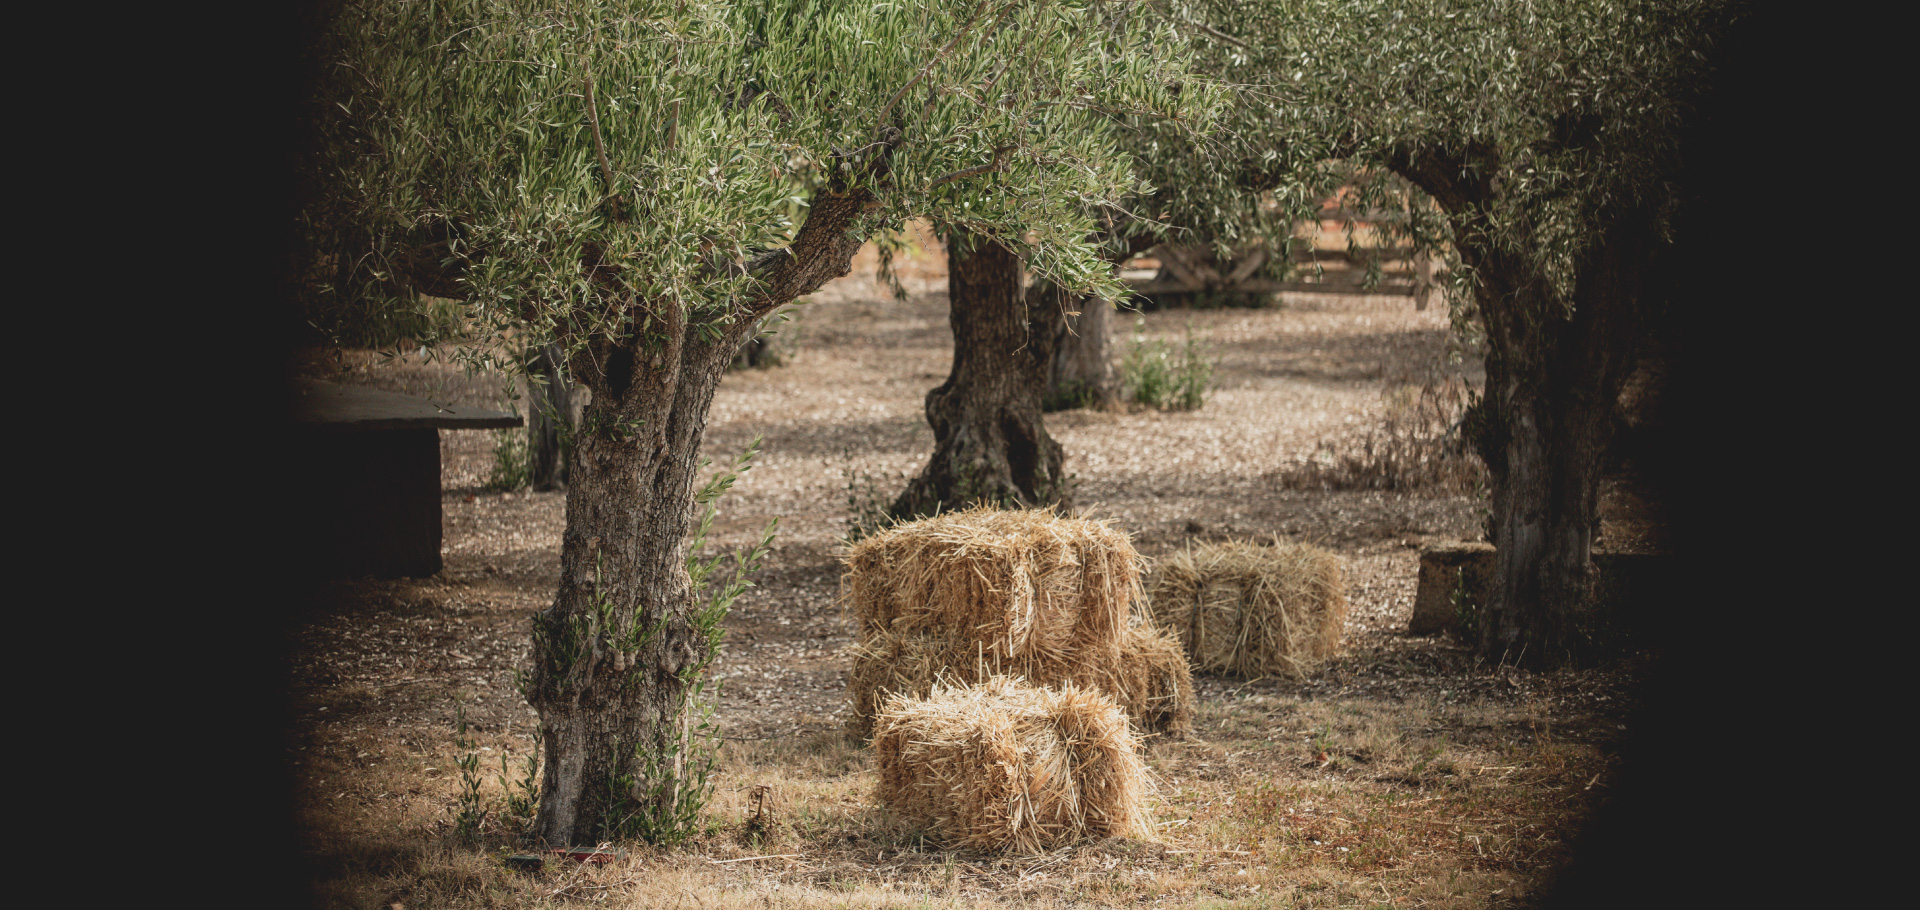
(472, 814)
(1153, 375)
(512, 462)
(578, 169)
(642, 182)
(1553, 117)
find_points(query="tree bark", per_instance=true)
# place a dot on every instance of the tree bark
(990, 443)
(1555, 367)
(1080, 374)
(618, 655)
(550, 419)
(617, 650)
(1544, 429)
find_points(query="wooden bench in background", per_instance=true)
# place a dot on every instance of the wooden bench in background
(1174, 273)
(370, 462)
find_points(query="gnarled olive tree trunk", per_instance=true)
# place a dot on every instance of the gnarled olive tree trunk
(550, 401)
(1081, 372)
(990, 443)
(1545, 430)
(614, 653)
(617, 654)
(1555, 367)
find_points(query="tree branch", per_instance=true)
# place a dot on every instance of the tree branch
(599, 146)
(881, 121)
(976, 170)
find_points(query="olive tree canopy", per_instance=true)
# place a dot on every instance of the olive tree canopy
(1549, 134)
(641, 182)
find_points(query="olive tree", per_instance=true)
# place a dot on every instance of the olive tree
(641, 183)
(1548, 133)
(1012, 337)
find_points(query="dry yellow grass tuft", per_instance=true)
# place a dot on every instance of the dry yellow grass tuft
(1255, 610)
(1003, 765)
(974, 594)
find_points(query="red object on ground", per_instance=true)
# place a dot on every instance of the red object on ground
(589, 856)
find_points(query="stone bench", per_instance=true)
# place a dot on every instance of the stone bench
(370, 463)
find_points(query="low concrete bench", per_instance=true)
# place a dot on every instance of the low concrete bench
(370, 461)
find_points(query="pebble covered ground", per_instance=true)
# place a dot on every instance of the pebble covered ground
(381, 665)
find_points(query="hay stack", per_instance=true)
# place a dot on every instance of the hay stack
(1024, 584)
(1007, 766)
(971, 595)
(1149, 679)
(1155, 685)
(1254, 610)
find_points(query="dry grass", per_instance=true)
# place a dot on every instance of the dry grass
(1005, 766)
(1451, 784)
(1240, 607)
(1285, 799)
(1420, 444)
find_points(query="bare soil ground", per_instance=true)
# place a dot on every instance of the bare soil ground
(1406, 774)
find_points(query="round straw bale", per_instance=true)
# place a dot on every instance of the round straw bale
(1240, 607)
(1003, 765)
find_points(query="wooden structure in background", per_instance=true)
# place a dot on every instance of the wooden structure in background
(1184, 271)
(369, 462)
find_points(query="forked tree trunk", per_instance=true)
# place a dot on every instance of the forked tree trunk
(990, 444)
(1081, 373)
(549, 418)
(1545, 431)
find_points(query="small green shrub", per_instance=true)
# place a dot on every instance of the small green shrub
(523, 793)
(1153, 375)
(1466, 614)
(512, 461)
(868, 505)
(473, 810)
(1068, 396)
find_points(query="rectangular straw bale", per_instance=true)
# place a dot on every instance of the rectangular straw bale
(1155, 684)
(1025, 584)
(1149, 677)
(1240, 607)
(1003, 765)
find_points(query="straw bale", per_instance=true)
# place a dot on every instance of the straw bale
(1026, 585)
(1149, 677)
(1155, 684)
(1244, 608)
(1003, 765)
